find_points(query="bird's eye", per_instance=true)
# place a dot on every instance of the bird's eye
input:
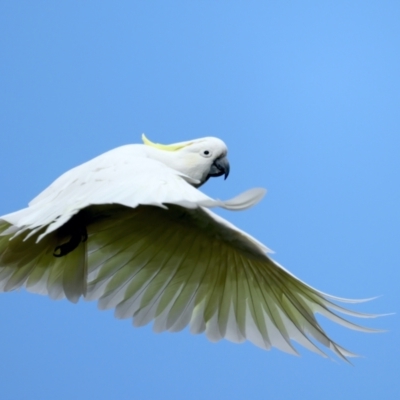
(206, 153)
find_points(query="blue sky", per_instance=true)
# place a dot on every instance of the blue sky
(307, 97)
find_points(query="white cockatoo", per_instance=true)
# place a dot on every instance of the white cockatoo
(130, 229)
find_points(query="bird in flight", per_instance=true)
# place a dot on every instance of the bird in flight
(130, 229)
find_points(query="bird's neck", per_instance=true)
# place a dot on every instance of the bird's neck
(179, 161)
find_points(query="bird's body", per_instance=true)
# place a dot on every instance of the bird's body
(130, 228)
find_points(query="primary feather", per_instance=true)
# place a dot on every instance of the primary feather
(131, 230)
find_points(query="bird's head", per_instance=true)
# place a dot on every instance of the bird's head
(199, 159)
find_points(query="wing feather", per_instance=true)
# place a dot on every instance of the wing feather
(183, 267)
(186, 301)
(165, 285)
(155, 264)
(181, 285)
(227, 291)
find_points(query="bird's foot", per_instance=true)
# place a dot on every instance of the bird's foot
(77, 229)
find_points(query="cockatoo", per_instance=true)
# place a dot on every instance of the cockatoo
(130, 229)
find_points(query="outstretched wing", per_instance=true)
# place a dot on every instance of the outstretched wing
(180, 267)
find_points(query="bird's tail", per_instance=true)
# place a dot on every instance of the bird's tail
(25, 262)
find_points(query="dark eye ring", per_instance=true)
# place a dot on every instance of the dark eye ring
(206, 152)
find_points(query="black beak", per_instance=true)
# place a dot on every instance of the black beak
(220, 167)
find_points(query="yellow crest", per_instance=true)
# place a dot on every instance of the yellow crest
(166, 147)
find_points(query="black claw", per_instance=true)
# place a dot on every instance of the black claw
(77, 229)
(69, 246)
